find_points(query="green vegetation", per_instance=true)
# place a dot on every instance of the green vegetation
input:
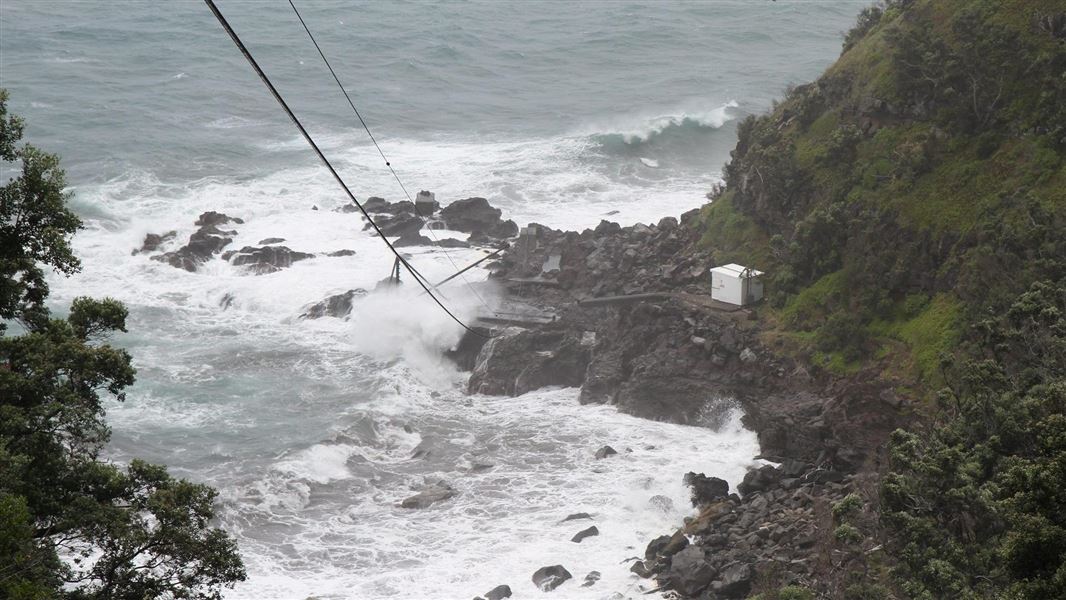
(926, 163)
(910, 209)
(73, 525)
(789, 592)
(977, 498)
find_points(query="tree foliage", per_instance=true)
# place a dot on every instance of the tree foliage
(978, 500)
(73, 525)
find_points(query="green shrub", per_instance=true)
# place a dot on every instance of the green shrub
(847, 534)
(848, 506)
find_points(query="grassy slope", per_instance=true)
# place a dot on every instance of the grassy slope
(965, 176)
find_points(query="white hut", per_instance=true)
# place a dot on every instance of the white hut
(736, 284)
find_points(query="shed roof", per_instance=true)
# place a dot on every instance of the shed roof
(735, 270)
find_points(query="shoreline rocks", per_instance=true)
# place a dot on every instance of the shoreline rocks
(548, 578)
(430, 494)
(654, 345)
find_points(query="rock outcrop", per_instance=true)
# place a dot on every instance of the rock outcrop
(267, 259)
(432, 493)
(338, 305)
(476, 216)
(206, 242)
(548, 578)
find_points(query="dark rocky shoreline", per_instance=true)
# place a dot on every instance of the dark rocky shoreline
(672, 354)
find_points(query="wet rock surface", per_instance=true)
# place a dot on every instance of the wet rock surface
(585, 533)
(548, 578)
(264, 260)
(498, 593)
(338, 305)
(153, 241)
(476, 216)
(203, 244)
(432, 493)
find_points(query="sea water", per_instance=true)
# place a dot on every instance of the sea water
(314, 431)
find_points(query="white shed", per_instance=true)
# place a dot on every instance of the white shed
(736, 284)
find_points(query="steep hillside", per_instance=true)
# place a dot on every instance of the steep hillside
(910, 209)
(919, 183)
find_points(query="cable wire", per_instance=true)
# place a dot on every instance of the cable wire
(307, 136)
(388, 163)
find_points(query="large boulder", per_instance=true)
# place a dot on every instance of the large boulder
(666, 545)
(548, 578)
(216, 218)
(477, 216)
(690, 573)
(518, 360)
(706, 490)
(760, 480)
(605, 452)
(585, 533)
(337, 305)
(735, 581)
(402, 225)
(268, 259)
(431, 494)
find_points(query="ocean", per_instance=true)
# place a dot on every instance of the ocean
(313, 431)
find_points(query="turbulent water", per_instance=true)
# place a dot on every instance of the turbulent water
(558, 113)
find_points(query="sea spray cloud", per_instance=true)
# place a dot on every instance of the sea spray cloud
(404, 323)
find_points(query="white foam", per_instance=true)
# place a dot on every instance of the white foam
(506, 521)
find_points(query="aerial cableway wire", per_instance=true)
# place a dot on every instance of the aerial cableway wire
(307, 136)
(388, 163)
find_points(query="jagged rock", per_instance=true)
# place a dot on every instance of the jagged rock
(415, 239)
(576, 516)
(735, 581)
(339, 253)
(666, 545)
(640, 569)
(690, 573)
(548, 578)
(203, 244)
(338, 305)
(216, 218)
(591, 579)
(758, 480)
(667, 223)
(431, 494)
(401, 225)
(518, 360)
(708, 516)
(585, 533)
(607, 228)
(477, 216)
(498, 593)
(153, 241)
(271, 240)
(268, 259)
(374, 204)
(604, 452)
(465, 353)
(706, 490)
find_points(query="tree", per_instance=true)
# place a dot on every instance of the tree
(72, 524)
